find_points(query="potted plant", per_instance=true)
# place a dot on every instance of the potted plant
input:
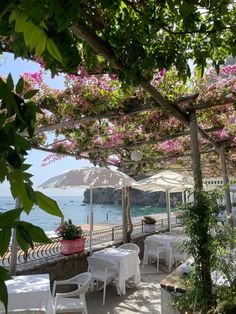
(72, 237)
(149, 224)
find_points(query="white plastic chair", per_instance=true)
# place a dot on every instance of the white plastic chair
(177, 253)
(73, 301)
(130, 246)
(104, 271)
(156, 249)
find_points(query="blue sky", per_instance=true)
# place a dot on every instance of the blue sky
(35, 158)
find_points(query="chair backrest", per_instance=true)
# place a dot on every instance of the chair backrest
(99, 263)
(83, 281)
(130, 246)
(153, 243)
(178, 250)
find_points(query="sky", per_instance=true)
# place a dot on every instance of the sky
(35, 157)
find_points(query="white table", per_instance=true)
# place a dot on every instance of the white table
(29, 292)
(128, 262)
(168, 240)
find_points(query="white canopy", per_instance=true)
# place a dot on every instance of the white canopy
(89, 178)
(167, 181)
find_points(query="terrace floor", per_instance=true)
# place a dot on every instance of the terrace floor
(145, 299)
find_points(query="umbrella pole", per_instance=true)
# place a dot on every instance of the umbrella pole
(91, 221)
(168, 209)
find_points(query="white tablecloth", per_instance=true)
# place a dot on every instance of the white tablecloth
(128, 262)
(29, 292)
(168, 240)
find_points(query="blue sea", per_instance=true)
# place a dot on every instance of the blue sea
(73, 208)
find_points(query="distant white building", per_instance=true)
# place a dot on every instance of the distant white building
(218, 181)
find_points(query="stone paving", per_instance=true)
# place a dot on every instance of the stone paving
(146, 299)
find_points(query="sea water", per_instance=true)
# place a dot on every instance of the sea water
(74, 208)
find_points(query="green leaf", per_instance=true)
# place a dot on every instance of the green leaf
(25, 167)
(4, 273)
(14, 160)
(3, 294)
(8, 218)
(32, 232)
(5, 237)
(21, 22)
(4, 169)
(23, 238)
(13, 16)
(10, 83)
(35, 36)
(16, 182)
(30, 93)
(21, 142)
(30, 192)
(20, 85)
(26, 202)
(18, 189)
(38, 235)
(41, 45)
(53, 50)
(47, 204)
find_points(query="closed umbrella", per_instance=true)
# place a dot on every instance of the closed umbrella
(89, 178)
(167, 181)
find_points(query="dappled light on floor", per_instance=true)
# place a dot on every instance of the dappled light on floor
(144, 299)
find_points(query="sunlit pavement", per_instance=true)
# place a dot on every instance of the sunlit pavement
(144, 299)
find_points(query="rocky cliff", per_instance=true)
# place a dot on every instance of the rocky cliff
(112, 196)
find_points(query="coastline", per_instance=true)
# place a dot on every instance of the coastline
(102, 225)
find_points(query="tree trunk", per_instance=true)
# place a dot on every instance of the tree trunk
(14, 245)
(226, 184)
(124, 216)
(129, 220)
(204, 252)
(168, 208)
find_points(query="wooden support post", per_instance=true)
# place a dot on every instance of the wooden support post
(226, 186)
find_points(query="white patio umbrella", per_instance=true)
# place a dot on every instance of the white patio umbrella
(89, 178)
(167, 181)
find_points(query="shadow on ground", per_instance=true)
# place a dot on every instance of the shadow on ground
(144, 299)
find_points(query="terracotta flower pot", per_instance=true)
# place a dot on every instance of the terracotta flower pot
(72, 246)
(149, 227)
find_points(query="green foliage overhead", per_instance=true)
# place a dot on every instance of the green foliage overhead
(142, 35)
(18, 115)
